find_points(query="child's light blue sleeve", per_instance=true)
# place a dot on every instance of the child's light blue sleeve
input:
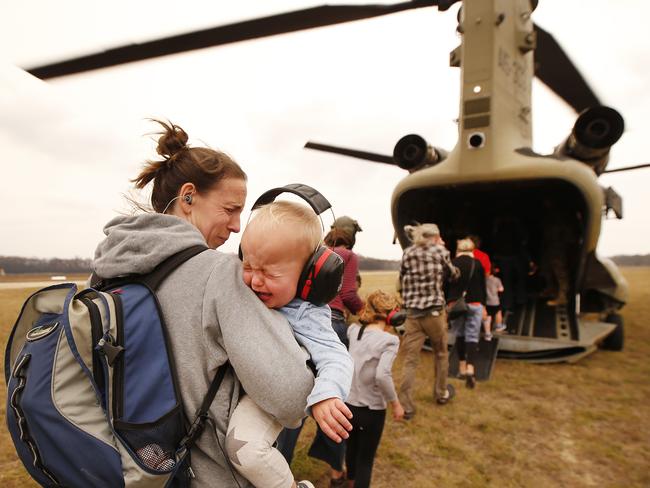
(312, 327)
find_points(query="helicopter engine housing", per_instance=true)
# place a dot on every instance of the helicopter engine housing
(412, 152)
(596, 130)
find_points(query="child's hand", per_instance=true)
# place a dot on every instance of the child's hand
(398, 411)
(332, 416)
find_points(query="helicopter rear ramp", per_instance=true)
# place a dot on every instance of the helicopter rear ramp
(541, 333)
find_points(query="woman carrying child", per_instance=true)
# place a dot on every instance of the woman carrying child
(373, 351)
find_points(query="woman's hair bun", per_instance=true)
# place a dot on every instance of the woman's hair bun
(173, 139)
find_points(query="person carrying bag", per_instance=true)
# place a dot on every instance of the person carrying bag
(459, 307)
(468, 294)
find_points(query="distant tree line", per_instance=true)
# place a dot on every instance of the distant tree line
(372, 264)
(632, 260)
(19, 265)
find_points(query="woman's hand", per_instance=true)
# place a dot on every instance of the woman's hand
(332, 417)
(398, 411)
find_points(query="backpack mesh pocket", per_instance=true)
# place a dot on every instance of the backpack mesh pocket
(154, 444)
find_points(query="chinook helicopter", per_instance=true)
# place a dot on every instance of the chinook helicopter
(492, 181)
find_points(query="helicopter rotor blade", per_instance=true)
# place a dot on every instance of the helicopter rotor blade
(241, 31)
(378, 158)
(627, 168)
(554, 68)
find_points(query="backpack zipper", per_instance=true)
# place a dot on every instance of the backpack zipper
(96, 335)
(118, 367)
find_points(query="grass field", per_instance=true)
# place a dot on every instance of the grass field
(559, 425)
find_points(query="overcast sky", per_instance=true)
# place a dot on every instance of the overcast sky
(70, 146)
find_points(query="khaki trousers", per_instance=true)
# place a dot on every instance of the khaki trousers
(417, 329)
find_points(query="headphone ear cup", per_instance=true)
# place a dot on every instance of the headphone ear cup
(320, 280)
(396, 317)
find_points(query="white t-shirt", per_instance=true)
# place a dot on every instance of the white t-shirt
(492, 287)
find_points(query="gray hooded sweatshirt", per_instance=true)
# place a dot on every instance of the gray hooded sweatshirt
(211, 317)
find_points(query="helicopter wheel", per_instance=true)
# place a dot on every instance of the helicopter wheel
(614, 341)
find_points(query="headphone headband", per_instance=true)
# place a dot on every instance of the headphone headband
(312, 196)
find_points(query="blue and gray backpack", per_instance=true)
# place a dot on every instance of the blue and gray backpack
(92, 397)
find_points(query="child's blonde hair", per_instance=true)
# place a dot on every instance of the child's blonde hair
(377, 307)
(297, 221)
(465, 246)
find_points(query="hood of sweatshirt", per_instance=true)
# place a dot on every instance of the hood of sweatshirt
(138, 243)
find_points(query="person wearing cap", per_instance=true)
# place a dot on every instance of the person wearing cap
(341, 239)
(467, 328)
(349, 226)
(424, 267)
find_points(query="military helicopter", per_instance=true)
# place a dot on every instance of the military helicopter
(492, 182)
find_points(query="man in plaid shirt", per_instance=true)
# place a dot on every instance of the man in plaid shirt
(425, 266)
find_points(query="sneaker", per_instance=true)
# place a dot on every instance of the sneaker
(470, 381)
(304, 484)
(488, 336)
(451, 393)
(499, 327)
(408, 415)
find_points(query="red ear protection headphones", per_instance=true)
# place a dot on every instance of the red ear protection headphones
(396, 317)
(320, 279)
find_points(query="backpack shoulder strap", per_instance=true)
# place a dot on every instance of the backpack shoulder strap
(202, 413)
(155, 277)
(158, 275)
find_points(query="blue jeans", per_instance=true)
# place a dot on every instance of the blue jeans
(341, 329)
(468, 325)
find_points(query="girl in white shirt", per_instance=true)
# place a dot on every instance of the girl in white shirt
(373, 351)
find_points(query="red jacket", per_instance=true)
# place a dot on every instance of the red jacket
(484, 259)
(348, 296)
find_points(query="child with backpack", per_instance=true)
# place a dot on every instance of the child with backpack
(278, 250)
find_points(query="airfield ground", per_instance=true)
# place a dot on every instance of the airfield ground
(560, 425)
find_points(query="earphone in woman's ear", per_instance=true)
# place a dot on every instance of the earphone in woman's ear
(188, 198)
